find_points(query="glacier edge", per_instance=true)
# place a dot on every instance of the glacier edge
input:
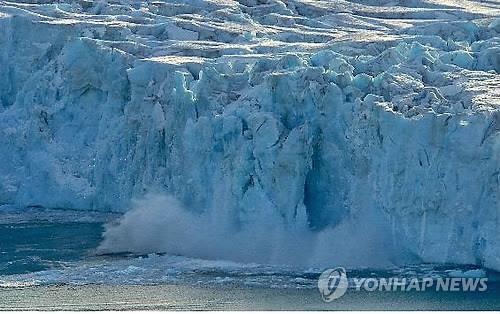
(406, 130)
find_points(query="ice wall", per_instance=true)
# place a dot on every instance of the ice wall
(255, 112)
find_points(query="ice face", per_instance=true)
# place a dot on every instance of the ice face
(251, 113)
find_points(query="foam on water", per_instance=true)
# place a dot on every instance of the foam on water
(165, 269)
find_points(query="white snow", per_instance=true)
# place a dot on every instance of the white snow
(317, 117)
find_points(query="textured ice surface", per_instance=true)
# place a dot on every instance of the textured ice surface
(368, 124)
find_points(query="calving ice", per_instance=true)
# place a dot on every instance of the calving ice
(311, 144)
(151, 148)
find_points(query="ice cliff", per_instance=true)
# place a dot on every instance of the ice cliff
(294, 115)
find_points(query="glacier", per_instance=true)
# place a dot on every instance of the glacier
(357, 133)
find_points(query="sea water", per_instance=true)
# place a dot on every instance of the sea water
(48, 260)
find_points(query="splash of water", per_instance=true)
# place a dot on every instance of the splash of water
(160, 223)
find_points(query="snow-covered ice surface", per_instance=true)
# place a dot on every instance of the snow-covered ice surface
(352, 133)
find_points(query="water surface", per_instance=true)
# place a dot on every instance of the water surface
(47, 261)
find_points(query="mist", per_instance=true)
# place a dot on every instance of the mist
(160, 223)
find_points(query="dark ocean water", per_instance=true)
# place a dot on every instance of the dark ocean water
(30, 247)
